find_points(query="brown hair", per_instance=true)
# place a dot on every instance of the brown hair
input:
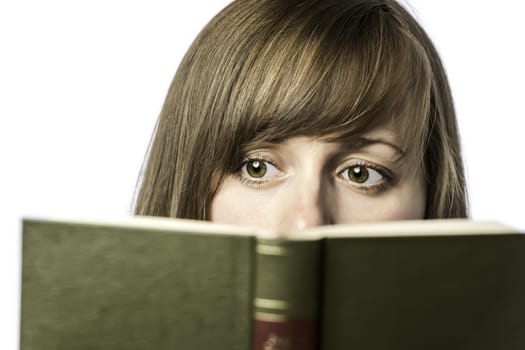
(271, 69)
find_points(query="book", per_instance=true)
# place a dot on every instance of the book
(153, 283)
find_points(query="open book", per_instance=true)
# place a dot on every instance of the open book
(143, 283)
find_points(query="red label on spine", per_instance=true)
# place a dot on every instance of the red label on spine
(285, 335)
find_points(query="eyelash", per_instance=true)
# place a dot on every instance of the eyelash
(386, 181)
(249, 181)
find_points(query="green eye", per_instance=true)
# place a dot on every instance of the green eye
(256, 168)
(358, 174)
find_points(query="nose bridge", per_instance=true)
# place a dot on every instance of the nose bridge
(308, 202)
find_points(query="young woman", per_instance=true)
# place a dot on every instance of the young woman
(286, 114)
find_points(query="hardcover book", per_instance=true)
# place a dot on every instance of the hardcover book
(152, 283)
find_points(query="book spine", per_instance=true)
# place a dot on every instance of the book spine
(286, 303)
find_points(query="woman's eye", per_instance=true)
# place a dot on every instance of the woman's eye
(361, 174)
(259, 169)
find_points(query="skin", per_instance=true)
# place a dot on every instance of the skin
(306, 181)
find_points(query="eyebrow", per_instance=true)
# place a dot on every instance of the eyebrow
(350, 144)
(361, 142)
(354, 143)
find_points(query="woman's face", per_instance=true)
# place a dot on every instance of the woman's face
(307, 181)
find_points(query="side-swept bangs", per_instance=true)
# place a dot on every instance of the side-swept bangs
(326, 68)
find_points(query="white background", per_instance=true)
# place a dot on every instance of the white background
(81, 85)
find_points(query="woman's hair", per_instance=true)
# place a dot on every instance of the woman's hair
(272, 69)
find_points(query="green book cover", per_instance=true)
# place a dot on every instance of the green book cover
(134, 286)
(178, 284)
